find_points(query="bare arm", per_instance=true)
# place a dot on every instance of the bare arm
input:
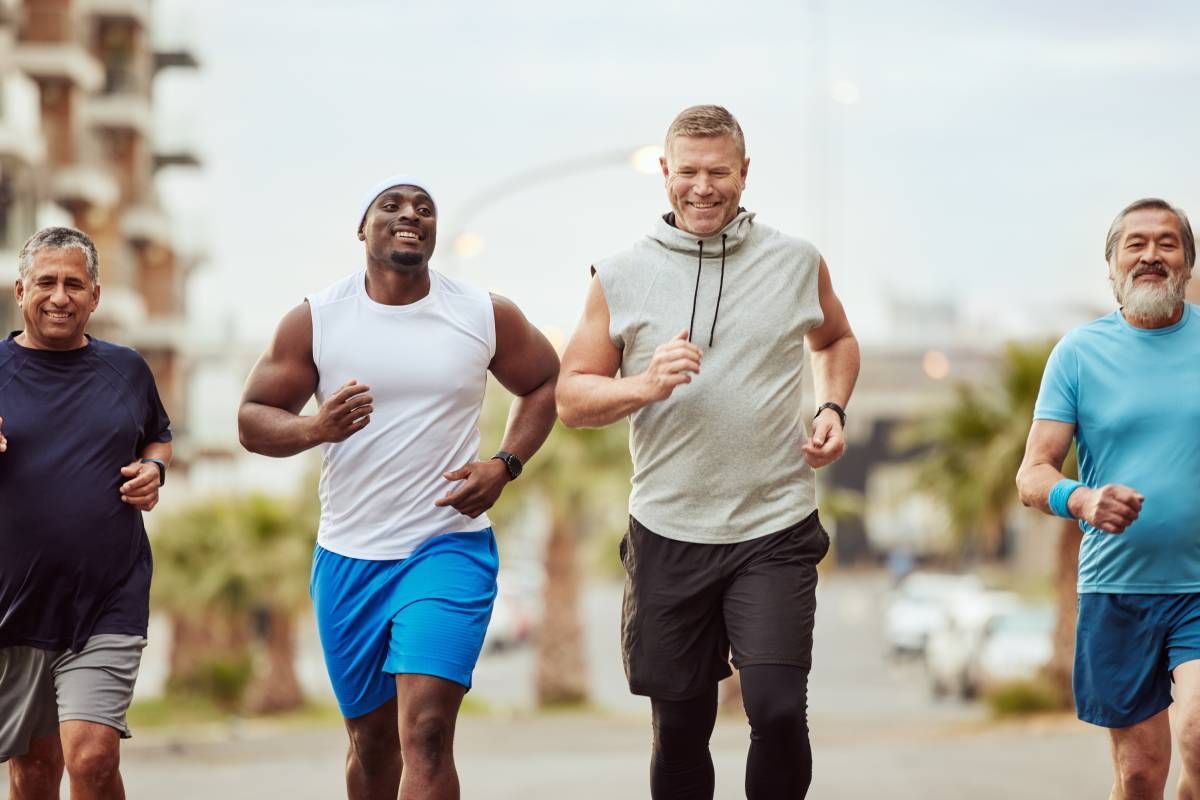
(589, 393)
(269, 420)
(835, 364)
(525, 363)
(1110, 508)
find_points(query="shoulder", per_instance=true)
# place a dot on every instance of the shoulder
(117, 353)
(125, 360)
(460, 291)
(629, 273)
(800, 250)
(343, 289)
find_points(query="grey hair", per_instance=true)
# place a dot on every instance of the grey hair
(58, 238)
(1118, 228)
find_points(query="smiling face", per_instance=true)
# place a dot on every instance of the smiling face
(1149, 269)
(57, 297)
(705, 176)
(400, 228)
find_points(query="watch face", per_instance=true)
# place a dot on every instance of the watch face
(514, 465)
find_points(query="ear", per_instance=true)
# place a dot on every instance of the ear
(666, 171)
(95, 296)
(362, 237)
(745, 168)
(19, 291)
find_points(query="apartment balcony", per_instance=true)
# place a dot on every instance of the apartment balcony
(136, 11)
(82, 185)
(121, 308)
(177, 57)
(124, 112)
(61, 61)
(144, 225)
(176, 158)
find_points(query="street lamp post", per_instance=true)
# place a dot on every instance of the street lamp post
(467, 244)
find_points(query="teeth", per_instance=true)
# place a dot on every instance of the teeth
(406, 234)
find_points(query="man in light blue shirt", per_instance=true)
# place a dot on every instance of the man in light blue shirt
(1126, 388)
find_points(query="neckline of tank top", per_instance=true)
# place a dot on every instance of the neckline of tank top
(435, 280)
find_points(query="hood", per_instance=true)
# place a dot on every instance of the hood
(679, 241)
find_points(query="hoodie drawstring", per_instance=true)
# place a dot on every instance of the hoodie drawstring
(696, 293)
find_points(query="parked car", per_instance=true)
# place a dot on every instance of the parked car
(952, 649)
(516, 615)
(1016, 646)
(918, 605)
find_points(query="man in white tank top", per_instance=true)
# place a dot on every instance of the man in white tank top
(723, 539)
(404, 575)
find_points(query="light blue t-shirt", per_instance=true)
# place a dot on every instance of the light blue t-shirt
(1134, 398)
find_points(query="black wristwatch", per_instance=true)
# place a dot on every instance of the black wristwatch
(162, 468)
(512, 462)
(841, 412)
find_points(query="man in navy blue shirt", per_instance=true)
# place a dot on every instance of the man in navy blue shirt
(84, 447)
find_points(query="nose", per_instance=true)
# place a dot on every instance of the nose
(59, 296)
(701, 185)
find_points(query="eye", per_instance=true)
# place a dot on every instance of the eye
(425, 211)
(388, 207)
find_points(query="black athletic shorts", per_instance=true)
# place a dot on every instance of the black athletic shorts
(687, 605)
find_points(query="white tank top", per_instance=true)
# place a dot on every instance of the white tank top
(426, 364)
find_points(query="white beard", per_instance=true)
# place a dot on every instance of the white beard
(1155, 302)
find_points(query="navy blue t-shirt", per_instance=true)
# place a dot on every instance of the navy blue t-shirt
(74, 558)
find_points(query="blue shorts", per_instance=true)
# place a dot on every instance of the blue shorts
(421, 615)
(1126, 646)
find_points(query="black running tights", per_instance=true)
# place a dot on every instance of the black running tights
(779, 766)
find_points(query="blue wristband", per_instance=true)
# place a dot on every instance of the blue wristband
(1060, 494)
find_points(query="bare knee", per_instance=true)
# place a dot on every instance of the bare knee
(1189, 744)
(1143, 775)
(374, 750)
(94, 762)
(427, 740)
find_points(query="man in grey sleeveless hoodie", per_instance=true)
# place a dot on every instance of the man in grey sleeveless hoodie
(723, 539)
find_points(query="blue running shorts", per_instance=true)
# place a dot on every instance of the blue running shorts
(421, 615)
(1126, 646)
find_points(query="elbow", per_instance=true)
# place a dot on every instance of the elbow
(245, 435)
(565, 407)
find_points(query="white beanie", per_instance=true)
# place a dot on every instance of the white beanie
(388, 183)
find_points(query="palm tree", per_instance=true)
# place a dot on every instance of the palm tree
(582, 477)
(974, 450)
(232, 572)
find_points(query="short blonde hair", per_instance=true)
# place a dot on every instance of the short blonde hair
(706, 121)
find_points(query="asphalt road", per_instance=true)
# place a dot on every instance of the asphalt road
(876, 732)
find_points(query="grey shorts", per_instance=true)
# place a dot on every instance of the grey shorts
(41, 688)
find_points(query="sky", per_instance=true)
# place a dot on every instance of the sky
(987, 149)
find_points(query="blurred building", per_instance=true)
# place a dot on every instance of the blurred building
(77, 148)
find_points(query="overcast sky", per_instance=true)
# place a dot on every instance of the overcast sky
(989, 147)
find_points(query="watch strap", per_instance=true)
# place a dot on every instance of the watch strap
(162, 468)
(841, 412)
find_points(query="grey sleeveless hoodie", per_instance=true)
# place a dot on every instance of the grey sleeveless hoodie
(720, 460)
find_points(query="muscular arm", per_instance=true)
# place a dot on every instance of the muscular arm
(1110, 508)
(835, 364)
(589, 393)
(269, 420)
(525, 363)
